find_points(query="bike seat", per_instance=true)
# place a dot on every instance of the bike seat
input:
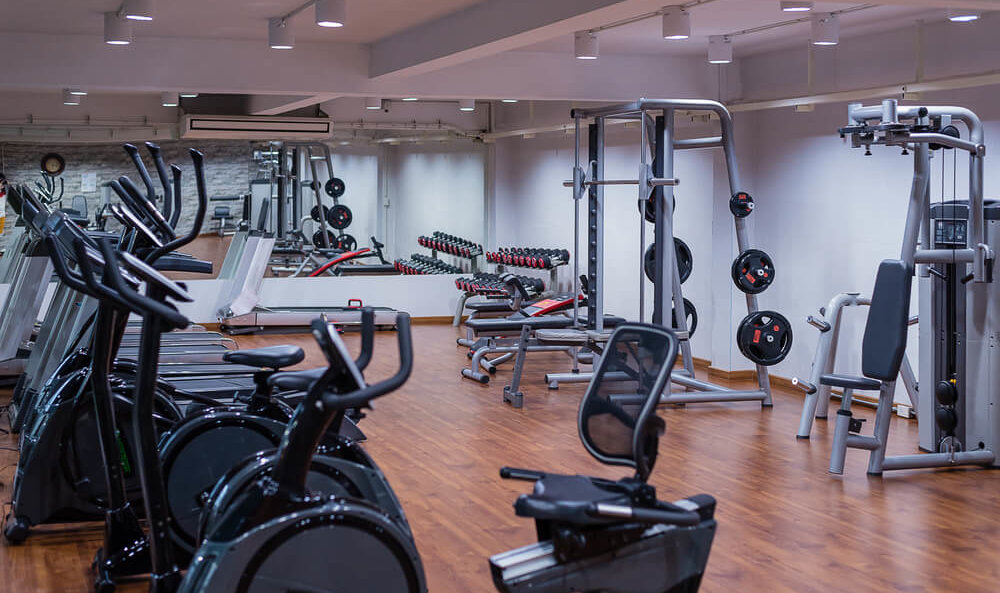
(295, 380)
(567, 499)
(272, 357)
(850, 382)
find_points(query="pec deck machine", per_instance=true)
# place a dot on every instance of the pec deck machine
(949, 247)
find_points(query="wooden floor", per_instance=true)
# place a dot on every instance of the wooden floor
(784, 523)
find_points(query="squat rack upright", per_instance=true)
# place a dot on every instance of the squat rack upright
(656, 117)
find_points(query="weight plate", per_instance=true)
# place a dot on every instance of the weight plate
(317, 239)
(339, 217)
(764, 337)
(345, 242)
(334, 187)
(315, 213)
(650, 208)
(741, 204)
(691, 317)
(753, 271)
(685, 260)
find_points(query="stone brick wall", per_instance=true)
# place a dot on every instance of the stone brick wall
(227, 170)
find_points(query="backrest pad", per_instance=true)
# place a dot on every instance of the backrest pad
(885, 331)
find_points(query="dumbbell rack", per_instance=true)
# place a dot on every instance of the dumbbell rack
(437, 243)
(502, 266)
(496, 257)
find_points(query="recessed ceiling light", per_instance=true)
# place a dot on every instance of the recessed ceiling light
(188, 95)
(169, 99)
(508, 100)
(825, 29)
(138, 10)
(585, 45)
(69, 98)
(373, 103)
(408, 99)
(720, 49)
(676, 23)
(77, 92)
(117, 31)
(279, 34)
(331, 13)
(467, 105)
(963, 15)
(792, 6)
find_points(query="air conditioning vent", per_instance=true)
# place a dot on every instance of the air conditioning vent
(232, 127)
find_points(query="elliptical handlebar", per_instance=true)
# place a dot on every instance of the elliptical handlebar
(136, 302)
(361, 397)
(161, 172)
(198, 160)
(367, 338)
(148, 208)
(58, 257)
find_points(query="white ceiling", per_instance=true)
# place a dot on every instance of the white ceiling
(723, 17)
(369, 20)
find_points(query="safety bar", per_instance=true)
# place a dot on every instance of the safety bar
(652, 182)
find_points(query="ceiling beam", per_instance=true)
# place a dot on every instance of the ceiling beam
(492, 27)
(278, 104)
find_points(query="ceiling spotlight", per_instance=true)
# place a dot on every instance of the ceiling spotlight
(676, 23)
(169, 99)
(69, 98)
(373, 103)
(508, 100)
(410, 99)
(467, 105)
(331, 13)
(963, 15)
(77, 92)
(117, 31)
(825, 29)
(585, 45)
(720, 49)
(138, 10)
(279, 34)
(792, 6)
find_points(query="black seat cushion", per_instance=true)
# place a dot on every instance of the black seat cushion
(851, 382)
(567, 499)
(514, 325)
(489, 307)
(272, 357)
(295, 380)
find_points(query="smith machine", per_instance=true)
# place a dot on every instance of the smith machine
(764, 337)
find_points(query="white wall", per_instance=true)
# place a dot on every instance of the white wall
(435, 187)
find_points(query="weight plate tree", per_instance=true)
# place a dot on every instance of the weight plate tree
(764, 337)
(685, 260)
(339, 217)
(317, 239)
(753, 271)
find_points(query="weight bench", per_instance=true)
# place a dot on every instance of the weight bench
(222, 214)
(509, 336)
(482, 310)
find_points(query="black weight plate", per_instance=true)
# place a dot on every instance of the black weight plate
(315, 213)
(334, 187)
(339, 217)
(345, 242)
(764, 337)
(741, 204)
(650, 208)
(753, 271)
(317, 239)
(685, 260)
(691, 314)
